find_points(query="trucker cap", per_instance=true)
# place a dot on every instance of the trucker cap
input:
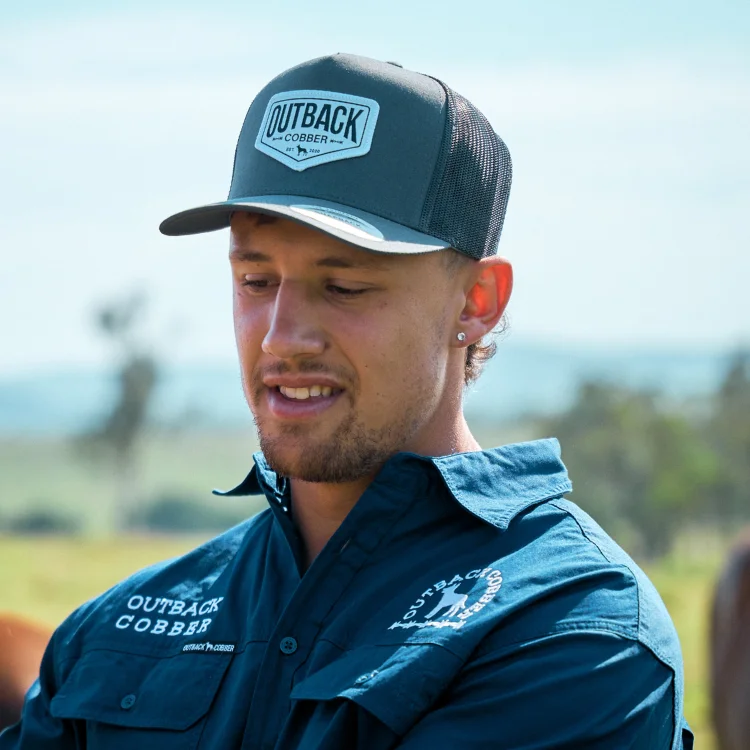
(371, 153)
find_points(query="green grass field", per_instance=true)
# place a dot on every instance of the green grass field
(685, 582)
(46, 578)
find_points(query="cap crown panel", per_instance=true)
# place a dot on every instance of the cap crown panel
(409, 129)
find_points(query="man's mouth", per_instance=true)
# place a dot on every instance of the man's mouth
(302, 394)
(301, 402)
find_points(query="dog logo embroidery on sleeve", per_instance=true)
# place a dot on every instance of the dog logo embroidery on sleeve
(450, 604)
(303, 129)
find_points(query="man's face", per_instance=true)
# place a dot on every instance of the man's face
(344, 353)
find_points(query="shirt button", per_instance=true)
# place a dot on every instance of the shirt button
(127, 702)
(365, 677)
(288, 645)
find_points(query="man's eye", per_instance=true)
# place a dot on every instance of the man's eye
(256, 285)
(344, 291)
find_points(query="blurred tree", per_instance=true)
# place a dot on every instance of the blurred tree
(119, 433)
(41, 520)
(641, 470)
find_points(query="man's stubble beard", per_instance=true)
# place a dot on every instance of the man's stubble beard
(350, 453)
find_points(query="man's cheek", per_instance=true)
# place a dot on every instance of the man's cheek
(249, 333)
(247, 362)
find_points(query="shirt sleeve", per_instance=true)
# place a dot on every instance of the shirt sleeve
(591, 690)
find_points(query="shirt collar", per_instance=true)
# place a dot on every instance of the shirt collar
(493, 485)
(260, 480)
(496, 485)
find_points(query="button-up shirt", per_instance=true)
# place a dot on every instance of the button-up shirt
(462, 603)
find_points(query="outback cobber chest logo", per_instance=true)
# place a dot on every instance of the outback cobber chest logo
(158, 615)
(449, 604)
(303, 129)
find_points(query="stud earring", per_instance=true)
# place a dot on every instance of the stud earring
(461, 336)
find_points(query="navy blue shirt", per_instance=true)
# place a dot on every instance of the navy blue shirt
(463, 603)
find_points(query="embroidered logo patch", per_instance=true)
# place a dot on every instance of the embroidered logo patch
(303, 129)
(449, 604)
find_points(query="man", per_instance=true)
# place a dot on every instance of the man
(405, 588)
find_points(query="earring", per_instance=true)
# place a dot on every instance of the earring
(461, 336)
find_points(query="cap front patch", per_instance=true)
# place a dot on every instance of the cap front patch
(303, 129)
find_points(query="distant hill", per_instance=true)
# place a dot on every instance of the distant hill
(527, 378)
(522, 378)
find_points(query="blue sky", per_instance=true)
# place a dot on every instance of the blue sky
(627, 122)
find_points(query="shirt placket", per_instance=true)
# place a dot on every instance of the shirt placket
(326, 581)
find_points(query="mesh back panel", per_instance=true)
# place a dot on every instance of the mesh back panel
(468, 195)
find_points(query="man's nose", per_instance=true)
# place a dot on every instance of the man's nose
(293, 328)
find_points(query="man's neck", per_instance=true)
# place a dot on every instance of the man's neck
(319, 509)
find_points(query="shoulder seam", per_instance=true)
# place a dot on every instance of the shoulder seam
(611, 562)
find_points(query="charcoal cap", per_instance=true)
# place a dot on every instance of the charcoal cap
(371, 153)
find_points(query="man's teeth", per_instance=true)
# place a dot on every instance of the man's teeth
(303, 393)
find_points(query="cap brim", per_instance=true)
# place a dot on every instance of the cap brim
(348, 224)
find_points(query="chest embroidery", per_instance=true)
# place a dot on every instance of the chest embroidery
(170, 617)
(449, 604)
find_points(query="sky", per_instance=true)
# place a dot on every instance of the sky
(628, 125)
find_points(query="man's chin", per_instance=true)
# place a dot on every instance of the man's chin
(286, 463)
(326, 462)
(305, 471)
(293, 456)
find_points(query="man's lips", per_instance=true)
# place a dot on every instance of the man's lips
(282, 406)
(300, 396)
(301, 381)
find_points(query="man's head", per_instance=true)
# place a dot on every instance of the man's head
(349, 356)
(366, 206)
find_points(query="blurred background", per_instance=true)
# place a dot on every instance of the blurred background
(629, 339)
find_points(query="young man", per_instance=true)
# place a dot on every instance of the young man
(406, 588)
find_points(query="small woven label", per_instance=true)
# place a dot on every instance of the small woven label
(303, 129)
(207, 647)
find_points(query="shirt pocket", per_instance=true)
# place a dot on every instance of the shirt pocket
(127, 700)
(396, 685)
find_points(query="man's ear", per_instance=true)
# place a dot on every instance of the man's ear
(489, 290)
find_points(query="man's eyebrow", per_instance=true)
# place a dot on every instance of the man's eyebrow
(337, 261)
(238, 255)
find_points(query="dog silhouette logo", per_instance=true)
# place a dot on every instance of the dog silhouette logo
(455, 603)
(442, 605)
(301, 151)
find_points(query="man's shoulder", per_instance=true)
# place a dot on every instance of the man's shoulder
(169, 597)
(585, 580)
(548, 571)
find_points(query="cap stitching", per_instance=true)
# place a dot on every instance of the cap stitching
(439, 170)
